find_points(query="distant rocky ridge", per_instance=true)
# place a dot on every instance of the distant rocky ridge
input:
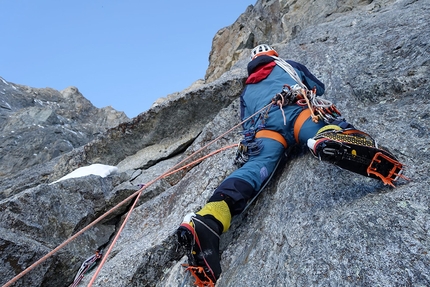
(38, 125)
(314, 225)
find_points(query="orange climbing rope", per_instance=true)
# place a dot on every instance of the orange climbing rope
(135, 202)
(136, 194)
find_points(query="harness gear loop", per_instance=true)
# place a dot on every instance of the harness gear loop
(308, 102)
(248, 146)
(286, 97)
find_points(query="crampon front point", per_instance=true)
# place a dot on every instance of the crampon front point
(200, 276)
(392, 171)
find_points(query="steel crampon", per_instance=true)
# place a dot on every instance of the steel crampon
(200, 276)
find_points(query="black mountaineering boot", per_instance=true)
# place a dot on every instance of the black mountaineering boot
(356, 151)
(200, 236)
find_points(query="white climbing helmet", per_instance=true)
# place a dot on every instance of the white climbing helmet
(263, 49)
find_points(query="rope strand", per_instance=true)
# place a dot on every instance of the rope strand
(132, 208)
(135, 194)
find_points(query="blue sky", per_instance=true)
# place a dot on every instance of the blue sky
(124, 54)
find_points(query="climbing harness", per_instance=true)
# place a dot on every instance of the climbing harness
(321, 109)
(88, 264)
(300, 120)
(286, 97)
(314, 107)
(271, 135)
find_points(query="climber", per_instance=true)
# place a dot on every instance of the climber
(295, 117)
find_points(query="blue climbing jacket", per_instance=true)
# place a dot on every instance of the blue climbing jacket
(265, 80)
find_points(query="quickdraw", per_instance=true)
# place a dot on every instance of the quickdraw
(88, 264)
(321, 109)
(247, 147)
(288, 95)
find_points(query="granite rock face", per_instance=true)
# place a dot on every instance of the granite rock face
(314, 224)
(278, 22)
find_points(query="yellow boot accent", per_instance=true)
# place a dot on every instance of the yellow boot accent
(329, 127)
(348, 136)
(219, 210)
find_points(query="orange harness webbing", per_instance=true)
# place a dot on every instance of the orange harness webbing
(303, 116)
(272, 135)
